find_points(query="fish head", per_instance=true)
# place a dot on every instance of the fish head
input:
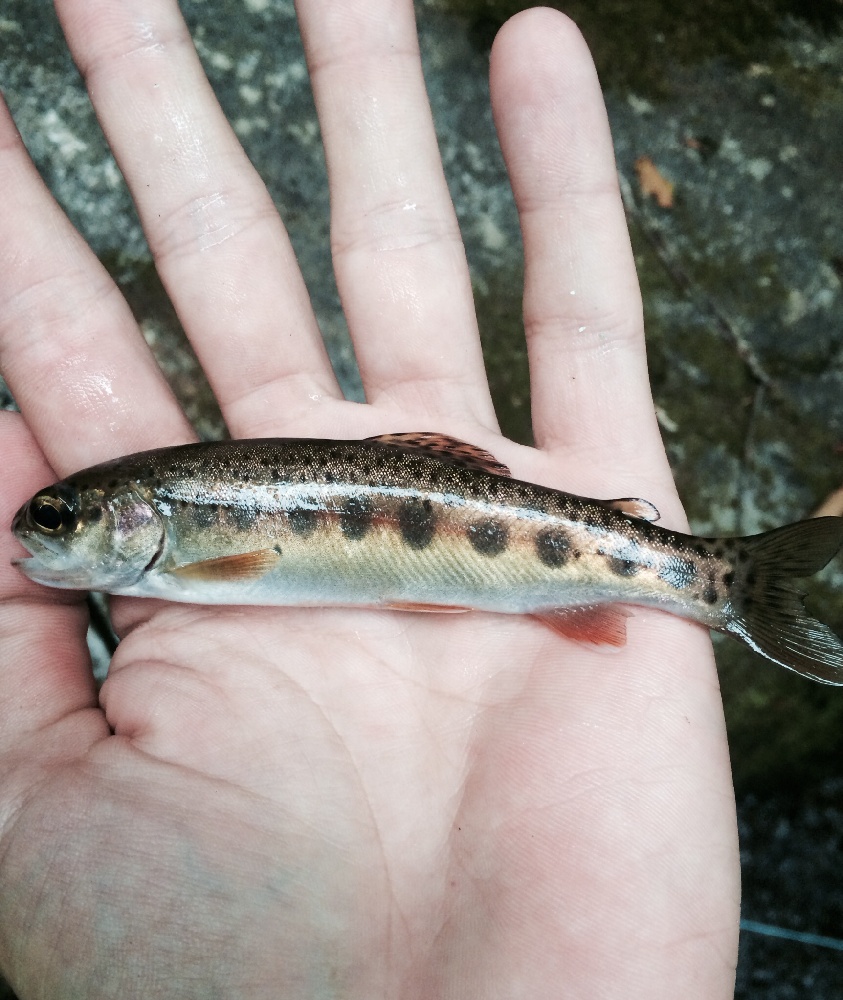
(88, 537)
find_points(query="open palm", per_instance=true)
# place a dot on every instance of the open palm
(268, 802)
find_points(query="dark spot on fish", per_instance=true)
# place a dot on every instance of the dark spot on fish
(728, 578)
(204, 515)
(622, 567)
(112, 483)
(678, 572)
(302, 521)
(553, 547)
(489, 538)
(329, 477)
(702, 550)
(333, 454)
(95, 513)
(242, 517)
(417, 521)
(157, 483)
(747, 602)
(750, 579)
(355, 518)
(710, 592)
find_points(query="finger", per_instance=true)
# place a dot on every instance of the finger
(69, 347)
(582, 307)
(45, 673)
(398, 256)
(220, 247)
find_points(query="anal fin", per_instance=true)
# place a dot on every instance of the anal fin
(597, 624)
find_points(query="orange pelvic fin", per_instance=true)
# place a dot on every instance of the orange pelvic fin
(597, 624)
(633, 507)
(245, 566)
(416, 606)
(444, 446)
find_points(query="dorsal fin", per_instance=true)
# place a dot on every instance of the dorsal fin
(633, 507)
(445, 446)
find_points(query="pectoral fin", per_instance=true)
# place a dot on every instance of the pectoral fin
(243, 567)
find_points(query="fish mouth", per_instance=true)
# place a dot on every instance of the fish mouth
(34, 569)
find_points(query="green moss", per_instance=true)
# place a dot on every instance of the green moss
(815, 85)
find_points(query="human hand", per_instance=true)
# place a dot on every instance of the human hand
(267, 802)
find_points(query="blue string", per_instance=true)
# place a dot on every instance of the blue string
(803, 937)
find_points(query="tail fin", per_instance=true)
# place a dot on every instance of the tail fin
(769, 614)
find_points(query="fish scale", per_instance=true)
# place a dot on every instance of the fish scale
(417, 522)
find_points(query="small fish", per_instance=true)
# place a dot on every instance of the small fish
(418, 522)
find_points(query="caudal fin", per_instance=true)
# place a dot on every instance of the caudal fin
(769, 614)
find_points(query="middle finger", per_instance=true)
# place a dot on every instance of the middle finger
(398, 256)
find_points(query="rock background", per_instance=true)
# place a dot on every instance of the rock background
(741, 108)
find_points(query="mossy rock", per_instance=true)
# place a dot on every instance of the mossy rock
(655, 33)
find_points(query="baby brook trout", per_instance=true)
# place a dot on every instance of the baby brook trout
(418, 522)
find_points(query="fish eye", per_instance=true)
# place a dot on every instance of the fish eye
(52, 514)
